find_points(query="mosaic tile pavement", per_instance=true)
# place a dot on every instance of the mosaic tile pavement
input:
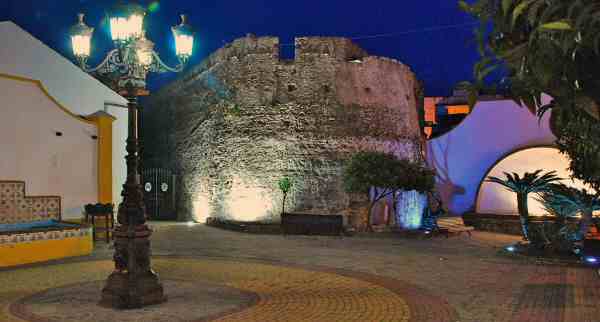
(188, 301)
(284, 293)
(458, 279)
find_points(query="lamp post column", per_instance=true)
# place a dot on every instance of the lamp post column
(132, 284)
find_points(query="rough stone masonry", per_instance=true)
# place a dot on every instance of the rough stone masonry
(244, 118)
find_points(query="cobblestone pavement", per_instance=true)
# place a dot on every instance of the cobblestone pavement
(456, 279)
(283, 293)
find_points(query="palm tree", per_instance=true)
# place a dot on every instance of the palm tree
(531, 182)
(554, 202)
(579, 201)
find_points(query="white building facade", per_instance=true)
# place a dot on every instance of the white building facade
(55, 123)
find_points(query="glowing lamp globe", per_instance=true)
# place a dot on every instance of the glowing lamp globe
(126, 22)
(144, 49)
(184, 39)
(81, 38)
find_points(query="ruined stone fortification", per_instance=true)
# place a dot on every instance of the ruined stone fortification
(243, 119)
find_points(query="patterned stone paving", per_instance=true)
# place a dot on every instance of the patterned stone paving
(188, 301)
(284, 293)
(558, 294)
(459, 279)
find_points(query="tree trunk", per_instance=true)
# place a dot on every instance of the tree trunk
(523, 214)
(584, 223)
(392, 217)
(283, 204)
(372, 203)
(376, 198)
(369, 216)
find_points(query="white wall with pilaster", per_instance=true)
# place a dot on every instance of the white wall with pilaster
(52, 151)
(23, 55)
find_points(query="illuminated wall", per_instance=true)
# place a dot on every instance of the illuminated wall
(409, 209)
(462, 156)
(495, 199)
(244, 118)
(430, 108)
(410, 206)
(458, 109)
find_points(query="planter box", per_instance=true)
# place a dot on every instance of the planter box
(506, 224)
(245, 227)
(310, 224)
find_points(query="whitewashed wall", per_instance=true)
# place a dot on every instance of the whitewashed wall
(23, 55)
(32, 152)
(464, 155)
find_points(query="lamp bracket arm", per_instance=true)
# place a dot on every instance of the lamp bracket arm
(158, 66)
(111, 63)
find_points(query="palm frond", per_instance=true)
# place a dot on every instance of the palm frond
(529, 182)
(571, 198)
(540, 183)
(557, 200)
(508, 184)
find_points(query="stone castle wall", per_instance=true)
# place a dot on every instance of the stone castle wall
(243, 119)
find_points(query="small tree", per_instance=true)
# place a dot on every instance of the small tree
(367, 170)
(530, 182)
(413, 176)
(285, 184)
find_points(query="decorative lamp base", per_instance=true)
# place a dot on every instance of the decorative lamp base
(126, 289)
(118, 291)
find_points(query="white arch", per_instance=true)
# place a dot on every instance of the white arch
(492, 198)
(462, 156)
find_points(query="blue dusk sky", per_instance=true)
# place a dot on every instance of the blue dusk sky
(433, 37)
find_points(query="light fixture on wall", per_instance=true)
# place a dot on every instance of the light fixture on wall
(132, 284)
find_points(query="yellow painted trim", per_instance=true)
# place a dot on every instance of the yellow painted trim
(105, 174)
(74, 220)
(44, 250)
(41, 86)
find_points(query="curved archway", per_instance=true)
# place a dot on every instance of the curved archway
(462, 156)
(493, 198)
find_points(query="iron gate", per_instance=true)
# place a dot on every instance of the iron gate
(159, 193)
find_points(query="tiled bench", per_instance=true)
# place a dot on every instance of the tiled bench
(31, 229)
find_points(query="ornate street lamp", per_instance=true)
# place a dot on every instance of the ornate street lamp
(132, 284)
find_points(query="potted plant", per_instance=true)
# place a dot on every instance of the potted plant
(285, 184)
